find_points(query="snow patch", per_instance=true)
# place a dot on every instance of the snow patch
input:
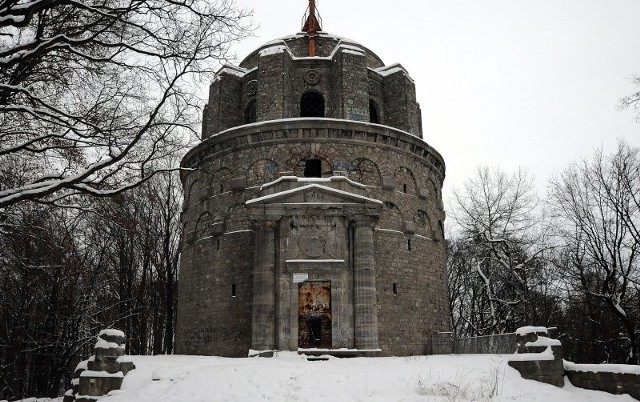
(602, 368)
(325, 261)
(546, 354)
(388, 230)
(277, 49)
(354, 52)
(111, 332)
(239, 231)
(124, 359)
(289, 376)
(101, 374)
(232, 70)
(102, 344)
(531, 330)
(391, 69)
(544, 341)
(83, 365)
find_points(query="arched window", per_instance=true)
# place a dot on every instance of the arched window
(250, 112)
(374, 117)
(311, 105)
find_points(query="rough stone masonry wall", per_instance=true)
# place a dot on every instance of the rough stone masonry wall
(488, 344)
(418, 307)
(277, 80)
(218, 234)
(590, 376)
(211, 319)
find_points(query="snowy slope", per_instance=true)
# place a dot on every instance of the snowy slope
(289, 377)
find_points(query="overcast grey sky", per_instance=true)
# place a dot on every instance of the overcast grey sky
(504, 83)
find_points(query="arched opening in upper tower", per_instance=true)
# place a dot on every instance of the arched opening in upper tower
(374, 117)
(311, 105)
(250, 115)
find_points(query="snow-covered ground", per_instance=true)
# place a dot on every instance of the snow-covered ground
(289, 377)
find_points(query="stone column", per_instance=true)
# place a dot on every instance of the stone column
(364, 279)
(263, 319)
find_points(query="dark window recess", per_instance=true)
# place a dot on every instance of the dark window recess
(221, 188)
(404, 188)
(409, 244)
(250, 112)
(395, 289)
(315, 327)
(373, 112)
(218, 245)
(313, 168)
(312, 105)
(233, 290)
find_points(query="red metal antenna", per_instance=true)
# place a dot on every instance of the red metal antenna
(311, 26)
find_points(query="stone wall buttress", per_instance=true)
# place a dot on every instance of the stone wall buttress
(366, 316)
(263, 319)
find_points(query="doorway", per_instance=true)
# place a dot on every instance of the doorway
(314, 315)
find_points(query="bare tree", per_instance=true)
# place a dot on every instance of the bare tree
(92, 93)
(498, 221)
(633, 100)
(596, 206)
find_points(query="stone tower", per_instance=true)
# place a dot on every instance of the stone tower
(313, 214)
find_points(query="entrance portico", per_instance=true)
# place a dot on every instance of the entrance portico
(314, 280)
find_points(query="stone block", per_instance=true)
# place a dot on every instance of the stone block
(410, 227)
(68, 396)
(113, 336)
(423, 192)
(547, 371)
(442, 343)
(125, 367)
(217, 228)
(388, 183)
(238, 183)
(99, 385)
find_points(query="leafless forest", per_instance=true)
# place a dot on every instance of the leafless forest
(96, 106)
(569, 260)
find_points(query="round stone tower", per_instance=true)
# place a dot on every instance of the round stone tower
(313, 211)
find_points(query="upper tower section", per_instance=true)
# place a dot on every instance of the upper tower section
(312, 74)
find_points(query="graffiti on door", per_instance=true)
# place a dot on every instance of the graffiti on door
(314, 315)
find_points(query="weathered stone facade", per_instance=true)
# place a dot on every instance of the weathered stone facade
(322, 231)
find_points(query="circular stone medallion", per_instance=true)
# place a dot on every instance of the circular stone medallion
(311, 77)
(252, 87)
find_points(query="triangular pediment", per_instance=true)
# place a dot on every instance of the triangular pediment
(314, 194)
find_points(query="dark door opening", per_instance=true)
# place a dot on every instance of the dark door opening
(314, 315)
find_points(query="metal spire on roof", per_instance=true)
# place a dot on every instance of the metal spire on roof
(311, 26)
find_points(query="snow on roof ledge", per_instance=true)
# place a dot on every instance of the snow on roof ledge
(391, 69)
(307, 186)
(232, 70)
(547, 354)
(312, 180)
(531, 330)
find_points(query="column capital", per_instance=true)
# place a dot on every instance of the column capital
(363, 221)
